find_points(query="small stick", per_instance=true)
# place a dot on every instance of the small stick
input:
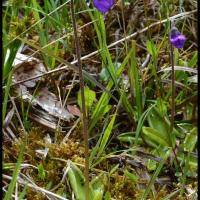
(85, 123)
(18, 115)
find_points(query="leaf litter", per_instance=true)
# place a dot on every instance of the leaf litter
(26, 67)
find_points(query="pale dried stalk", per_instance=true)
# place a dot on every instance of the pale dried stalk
(36, 188)
(18, 115)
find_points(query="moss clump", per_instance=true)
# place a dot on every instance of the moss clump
(35, 195)
(122, 188)
(66, 150)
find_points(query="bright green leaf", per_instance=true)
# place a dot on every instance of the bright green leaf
(77, 182)
(162, 106)
(90, 96)
(151, 48)
(41, 171)
(155, 136)
(133, 177)
(151, 165)
(190, 140)
(193, 62)
(107, 196)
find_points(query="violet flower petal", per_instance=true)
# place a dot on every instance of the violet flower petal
(178, 41)
(103, 5)
(176, 38)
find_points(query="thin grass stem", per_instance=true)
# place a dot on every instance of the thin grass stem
(85, 123)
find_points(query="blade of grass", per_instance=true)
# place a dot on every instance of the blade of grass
(23, 193)
(58, 8)
(103, 140)
(171, 195)
(135, 82)
(11, 186)
(9, 58)
(140, 123)
(6, 94)
(127, 106)
(100, 29)
(104, 99)
(156, 173)
(42, 30)
(105, 53)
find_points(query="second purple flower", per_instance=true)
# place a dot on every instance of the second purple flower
(103, 5)
(176, 38)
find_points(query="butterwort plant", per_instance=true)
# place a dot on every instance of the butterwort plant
(176, 38)
(103, 5)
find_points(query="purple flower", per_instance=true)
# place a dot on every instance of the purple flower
(103, 5)
(176, 38)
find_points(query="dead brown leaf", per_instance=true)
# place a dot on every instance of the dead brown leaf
(73, 109)
(27, 67)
